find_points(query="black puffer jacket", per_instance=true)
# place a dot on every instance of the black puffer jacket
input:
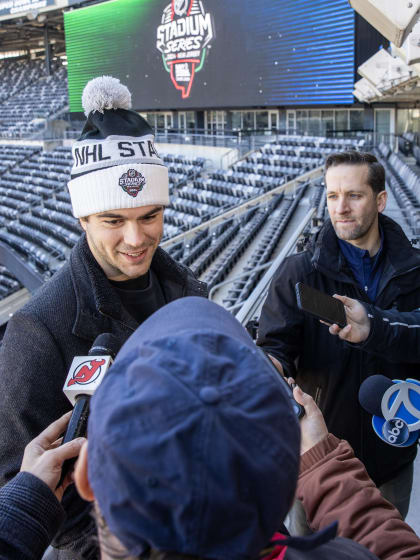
(59, 322)
(327, 368)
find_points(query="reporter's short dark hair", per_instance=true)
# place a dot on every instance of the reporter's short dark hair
(376, 177)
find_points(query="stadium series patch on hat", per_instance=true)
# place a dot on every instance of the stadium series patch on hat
(115, 162)
(132, 182)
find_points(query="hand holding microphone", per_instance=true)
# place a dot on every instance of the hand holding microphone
(85, 375)
(44, 456)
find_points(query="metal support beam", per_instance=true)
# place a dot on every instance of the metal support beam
(26, 275)
(47, 48)
(255, 300)
(238, 277)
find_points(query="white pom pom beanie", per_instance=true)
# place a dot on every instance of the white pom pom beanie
(115, 162)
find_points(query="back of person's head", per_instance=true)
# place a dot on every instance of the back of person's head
(376, 174)
(193, 444)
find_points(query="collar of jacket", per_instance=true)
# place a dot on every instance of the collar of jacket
(400, 255)
(98, 302)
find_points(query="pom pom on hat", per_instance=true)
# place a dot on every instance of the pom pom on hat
(104, 177)
(105, 92)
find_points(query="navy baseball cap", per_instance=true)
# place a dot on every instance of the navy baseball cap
(193, 444)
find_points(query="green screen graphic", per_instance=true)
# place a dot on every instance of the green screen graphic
(194, 54)
(104, 40)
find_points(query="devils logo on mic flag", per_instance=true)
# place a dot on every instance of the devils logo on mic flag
(85, 375)
(86, 372)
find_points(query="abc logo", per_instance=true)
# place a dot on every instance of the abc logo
(395, 431)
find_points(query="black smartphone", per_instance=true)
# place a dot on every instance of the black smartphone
(320, 305)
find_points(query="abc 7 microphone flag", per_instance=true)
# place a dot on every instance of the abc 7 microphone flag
(400, 424)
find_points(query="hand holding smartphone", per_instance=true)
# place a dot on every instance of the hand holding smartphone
(320, 305)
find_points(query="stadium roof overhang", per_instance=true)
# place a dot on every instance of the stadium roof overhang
(22, 34)
(388, 78)
(23, 23)
(391, 76)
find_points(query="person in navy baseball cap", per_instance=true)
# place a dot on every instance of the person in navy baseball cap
(193, 441)
(193, 449)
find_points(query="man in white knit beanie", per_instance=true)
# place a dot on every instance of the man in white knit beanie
(119, 184)
(115, 278)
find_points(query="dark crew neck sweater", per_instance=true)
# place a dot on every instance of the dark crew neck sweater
(140, 296)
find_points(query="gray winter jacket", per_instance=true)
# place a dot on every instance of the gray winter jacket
(61, 321)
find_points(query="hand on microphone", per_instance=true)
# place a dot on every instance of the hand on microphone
(44, 457)
(358, 323)
(312, 424)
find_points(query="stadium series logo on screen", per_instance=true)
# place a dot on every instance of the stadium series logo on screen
(183, 37)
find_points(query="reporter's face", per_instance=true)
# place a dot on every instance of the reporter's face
(352, 204)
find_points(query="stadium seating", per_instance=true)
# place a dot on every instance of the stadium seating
(35, 212)
(18, 74)
(269, 167)
(407, 142)
(8, 283)
(267, 244)
(181, 169)
(213, 253)
(404, 182)
(33, 97)
(250, 224)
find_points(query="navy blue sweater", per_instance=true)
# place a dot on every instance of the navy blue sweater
(30, 516)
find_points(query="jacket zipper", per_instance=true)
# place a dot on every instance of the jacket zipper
(118, 320)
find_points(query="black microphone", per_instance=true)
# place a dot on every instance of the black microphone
(85, 375)
(371, 392)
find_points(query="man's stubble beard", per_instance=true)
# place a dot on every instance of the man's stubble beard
(358, 231)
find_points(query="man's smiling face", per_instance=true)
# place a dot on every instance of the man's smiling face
(123, 242)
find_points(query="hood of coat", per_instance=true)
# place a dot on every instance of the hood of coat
(401, 256)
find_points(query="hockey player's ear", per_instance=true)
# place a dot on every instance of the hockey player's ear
(81, 475)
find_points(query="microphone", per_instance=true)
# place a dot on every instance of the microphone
(371, 392)
(395, 406)
(85, 375)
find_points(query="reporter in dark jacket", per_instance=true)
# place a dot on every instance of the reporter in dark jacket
(30, 509)
(364, 255)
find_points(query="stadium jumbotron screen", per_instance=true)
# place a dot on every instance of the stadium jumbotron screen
(183, 54)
